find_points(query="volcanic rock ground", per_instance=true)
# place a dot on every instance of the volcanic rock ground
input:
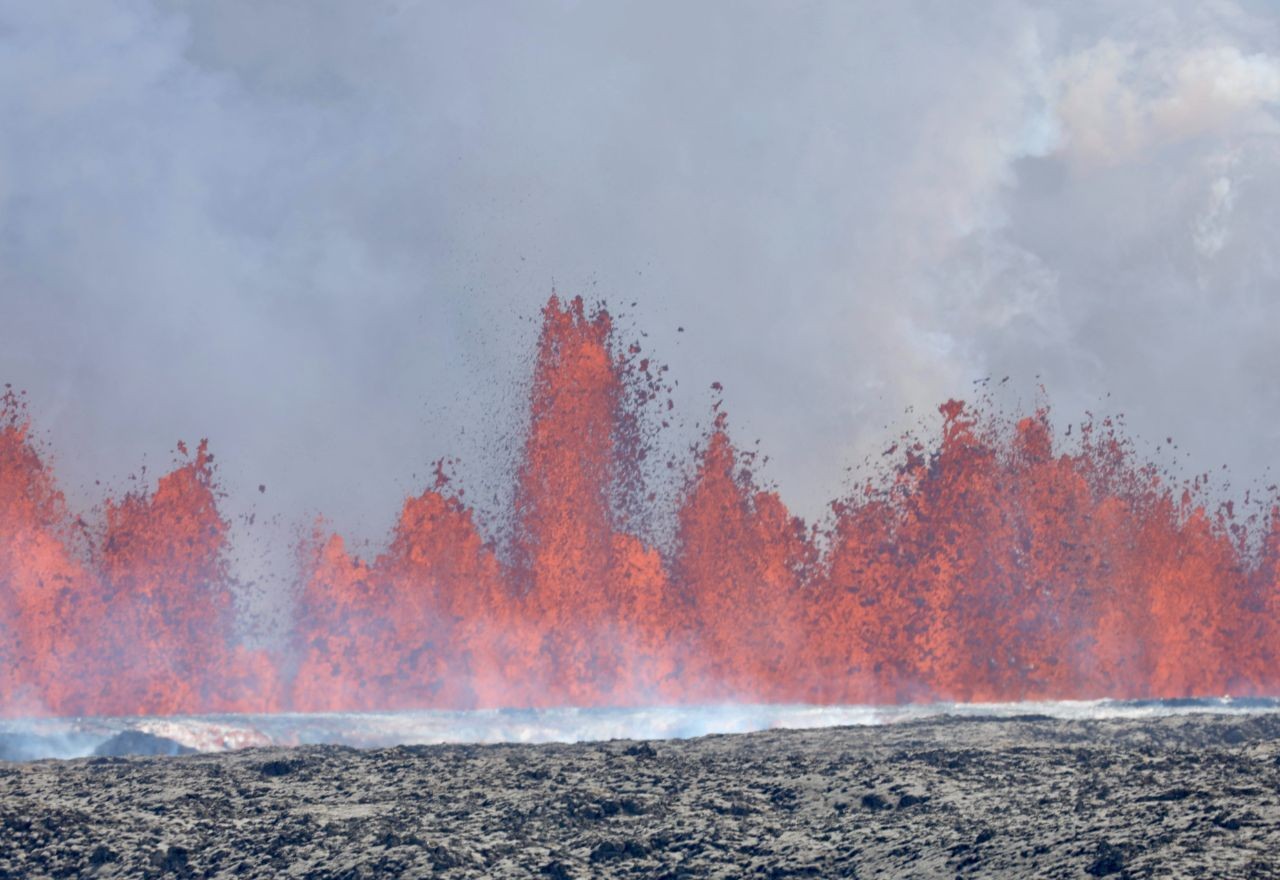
(1021, 797)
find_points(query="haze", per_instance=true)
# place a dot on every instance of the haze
(319, 233)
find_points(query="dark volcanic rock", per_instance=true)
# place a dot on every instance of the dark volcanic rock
(101, 855)
(556, 871)
(172, 861)
(278, 768)
(1110, 860)
(641, 750)
(1016, 798)
(135, 742)
(874, 802)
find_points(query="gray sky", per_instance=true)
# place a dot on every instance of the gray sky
(319, 232)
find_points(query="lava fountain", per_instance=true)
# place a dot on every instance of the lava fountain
(983, 564)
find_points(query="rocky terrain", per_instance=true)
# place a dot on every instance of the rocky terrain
(1020, 797)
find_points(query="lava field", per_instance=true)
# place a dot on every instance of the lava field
(1190, 795)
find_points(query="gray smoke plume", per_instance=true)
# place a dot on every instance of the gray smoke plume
(319, 232)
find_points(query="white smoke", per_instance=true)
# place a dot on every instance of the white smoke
(1118, 102)
(68, 738)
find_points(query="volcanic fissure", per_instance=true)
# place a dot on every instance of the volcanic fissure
(985, 564)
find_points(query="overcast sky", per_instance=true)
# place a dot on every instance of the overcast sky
(319, 232)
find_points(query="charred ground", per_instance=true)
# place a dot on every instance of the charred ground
(1030, 796)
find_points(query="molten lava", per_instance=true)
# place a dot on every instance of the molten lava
(983, 565)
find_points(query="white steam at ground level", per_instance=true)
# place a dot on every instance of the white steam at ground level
(34, 739)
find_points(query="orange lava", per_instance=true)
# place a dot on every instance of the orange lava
(135, 620)
(984, 564)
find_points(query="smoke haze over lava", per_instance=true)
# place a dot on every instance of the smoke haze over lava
(316, 233)
(319, 234)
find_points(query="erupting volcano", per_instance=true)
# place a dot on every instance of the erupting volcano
(984, 564)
